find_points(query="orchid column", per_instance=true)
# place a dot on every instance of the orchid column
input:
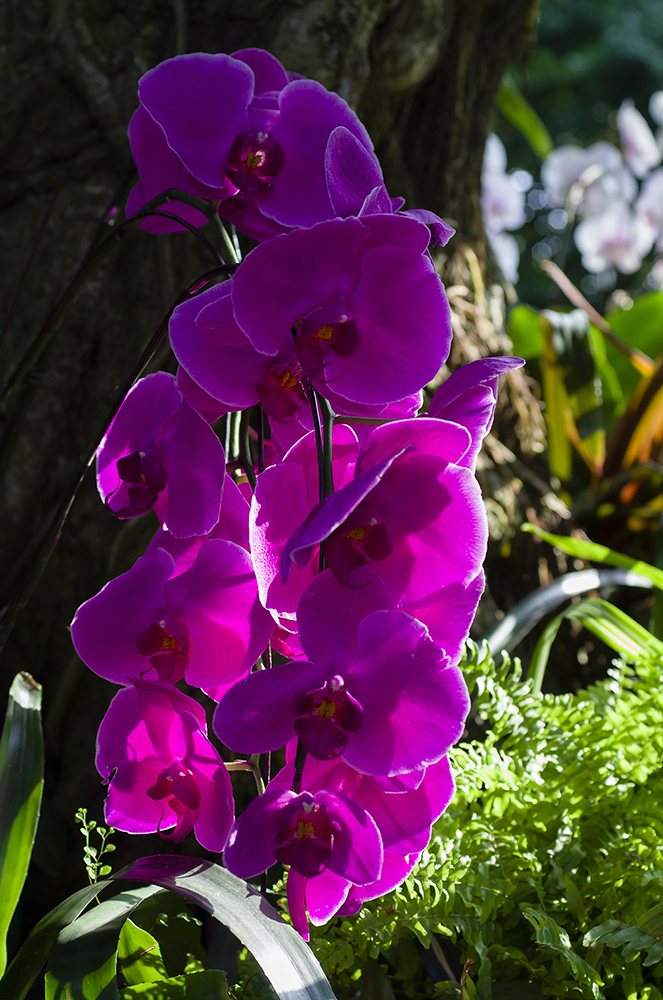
(358, 557)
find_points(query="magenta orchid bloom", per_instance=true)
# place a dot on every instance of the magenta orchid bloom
(404, 811)
(162, 770)
(371, 314)
(236, 130)
(356, 186)
(428, 553)
(469, 396)
(160, 454)
(311, 833)
(206, 625)
(376, 690)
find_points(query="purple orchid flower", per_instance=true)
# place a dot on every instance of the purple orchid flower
(206, 625)
(356, 186)
(469, 396)
(232, 375)
(376, 690)
(404, 815)
(372, 318)
(311, 833)
(232, 526)
(236, 130)
(163, 772)
(428, 553)
(160, 454)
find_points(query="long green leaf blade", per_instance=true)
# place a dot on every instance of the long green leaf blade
(21, 786)
(520, 113)
(597, 553)
(83, 962)
(27, 964)
(285, 958)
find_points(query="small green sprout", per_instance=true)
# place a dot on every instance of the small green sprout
(92, 855)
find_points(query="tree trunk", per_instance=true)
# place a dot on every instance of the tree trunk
(423, 76)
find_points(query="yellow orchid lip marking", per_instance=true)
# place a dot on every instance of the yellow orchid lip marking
(288, 380)
(357, 534)
(326, 709)
(324, 333)
(304, 829)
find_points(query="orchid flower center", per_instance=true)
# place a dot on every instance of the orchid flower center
(168, 652)
(282, 391)
(325, 717)
(149, 477)
(254, 157)
(305, 840)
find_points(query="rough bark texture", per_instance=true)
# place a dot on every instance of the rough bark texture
(422, 74)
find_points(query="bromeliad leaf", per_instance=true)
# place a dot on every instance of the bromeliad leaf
(598, 553)
(21, 784)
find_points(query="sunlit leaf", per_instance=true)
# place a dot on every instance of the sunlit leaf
(139, 956)
(21, 785)
(520, 113)
(525, 332)
(581, 549)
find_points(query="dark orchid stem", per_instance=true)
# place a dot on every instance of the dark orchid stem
(319, 443)
(33, 253)
(87, 268)
(228, 245)
(261, 439)
(245, 459)
(328, 417)
(54, 530)
(300, 760)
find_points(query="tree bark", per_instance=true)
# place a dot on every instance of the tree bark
(423, 76)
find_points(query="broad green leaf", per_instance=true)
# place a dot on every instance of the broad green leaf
(641, 327)
(27, 964)
(525, 332)
(21, 785)
(286, 960)
(139, 956)
(166, 917)
(210, 984)
(608, 623)
(597, 553)
(82, 964)
(520, 113)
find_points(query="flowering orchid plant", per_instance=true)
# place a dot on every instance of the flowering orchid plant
(321, 599)
(613, 194)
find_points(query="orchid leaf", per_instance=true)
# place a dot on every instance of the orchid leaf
(21, 785)
(285, 958)
(34, 951)
(640, 326)
(83, 962)
(597, 553)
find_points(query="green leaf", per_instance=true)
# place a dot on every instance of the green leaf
(83, 961)
(21, 786)
(139, 956)
(27, 964)
(167, 919)
(520, 113)
(525, 332)
(549, 933)
(284, 957)
(597, 553)
(641, 327)
(608, 623)
(210, 984)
